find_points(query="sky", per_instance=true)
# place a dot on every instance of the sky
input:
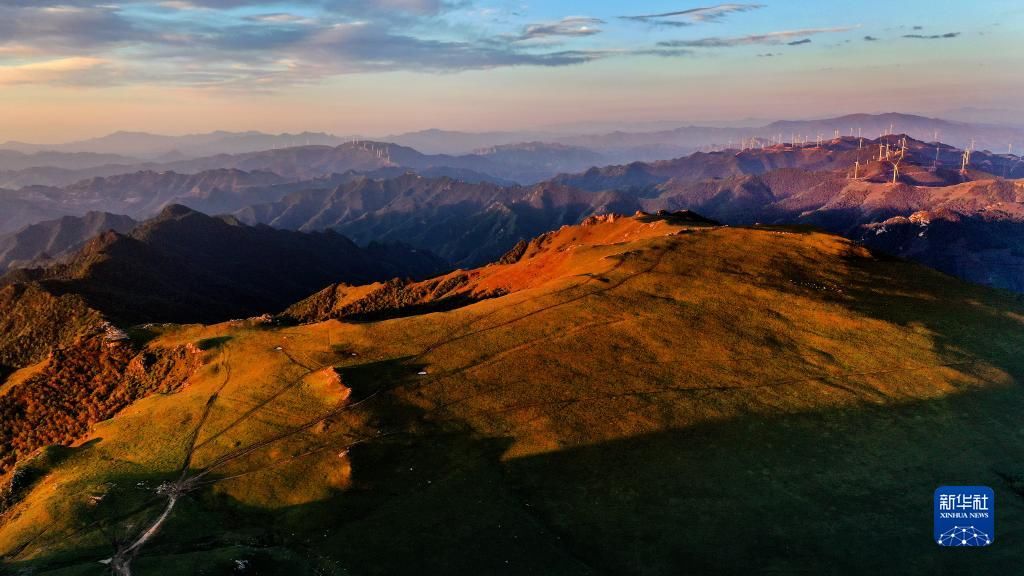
(79, 68)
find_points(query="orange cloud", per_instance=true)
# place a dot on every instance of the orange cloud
(48, 71)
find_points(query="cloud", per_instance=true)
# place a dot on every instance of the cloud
(799, 42)
(269, 45)
(933, 36)
(870, 39)
(692, 16)
(178, 5)
(49, 71)
(280, 18)
(573, 26)
(366, 47)
(68, 28)
(753, 39)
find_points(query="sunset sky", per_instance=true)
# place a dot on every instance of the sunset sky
(79, 68)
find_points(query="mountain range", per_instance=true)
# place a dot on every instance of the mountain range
(527, 162)
(471, 224)
(373, 191)
(61, 164)
(157, 147)
(563, 410)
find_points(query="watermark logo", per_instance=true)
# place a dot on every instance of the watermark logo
(964, 516)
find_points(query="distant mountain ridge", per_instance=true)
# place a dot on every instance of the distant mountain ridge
(467, 224)
(153, 146)
(55, 238)
(619, 146)
(143, 194)
(11, 160)
(185, 266)
(473, 224)
(373, 190)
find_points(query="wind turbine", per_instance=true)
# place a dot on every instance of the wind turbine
(895, 161)
(966, 161)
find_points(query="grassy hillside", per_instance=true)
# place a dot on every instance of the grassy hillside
(652, 398)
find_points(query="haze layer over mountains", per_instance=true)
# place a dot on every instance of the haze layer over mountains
(469, 209)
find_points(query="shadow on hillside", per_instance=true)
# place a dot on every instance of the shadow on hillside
(836, 491)
(962, 319)
(678, 218)
(443, 305)
(212, 343)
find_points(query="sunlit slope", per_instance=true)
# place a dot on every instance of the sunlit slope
(676, 400)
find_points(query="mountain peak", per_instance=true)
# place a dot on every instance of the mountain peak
(175, 211)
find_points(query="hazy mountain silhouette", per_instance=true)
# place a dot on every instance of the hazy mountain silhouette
(185, 266)
(55, 238)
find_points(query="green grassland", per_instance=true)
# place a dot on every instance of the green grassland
(723, 400)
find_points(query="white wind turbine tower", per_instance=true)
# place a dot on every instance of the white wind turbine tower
(895, 161)
(965, 162)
